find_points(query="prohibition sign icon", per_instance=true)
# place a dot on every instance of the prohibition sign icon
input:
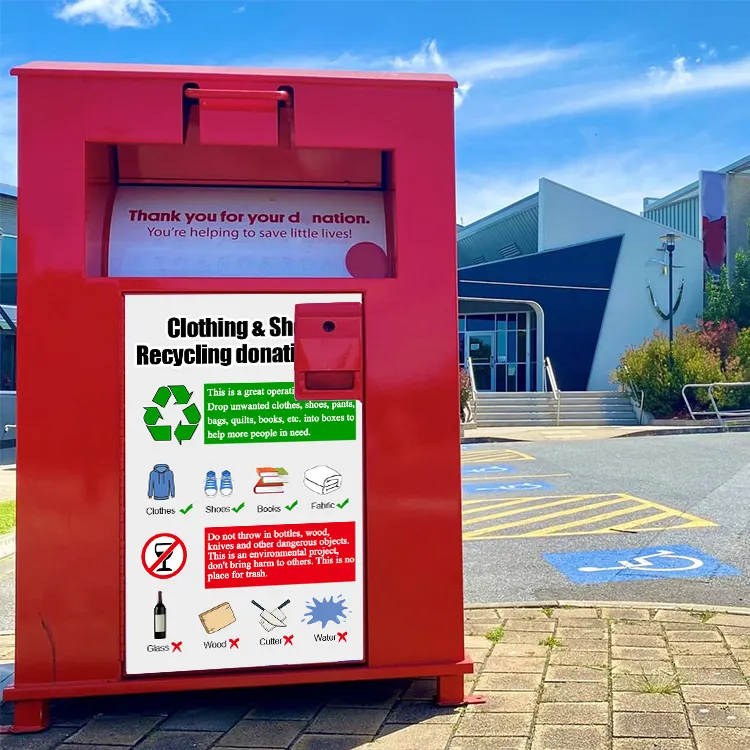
(162, 547)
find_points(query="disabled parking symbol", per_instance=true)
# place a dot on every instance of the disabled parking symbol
(483, 470)
(486, 488)
(608, 566)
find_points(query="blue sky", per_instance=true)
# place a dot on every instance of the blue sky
(617, 99)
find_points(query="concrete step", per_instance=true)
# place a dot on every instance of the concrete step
(588, 421)
(564, 406)
(574, 397)
(544, 409)
(577, 408)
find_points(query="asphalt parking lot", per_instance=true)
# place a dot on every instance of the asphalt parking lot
(534, 514)
(631, 519)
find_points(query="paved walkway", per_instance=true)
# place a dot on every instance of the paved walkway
(568, 678)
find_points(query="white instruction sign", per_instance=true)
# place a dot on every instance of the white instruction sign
(247, 232)
(243, 507)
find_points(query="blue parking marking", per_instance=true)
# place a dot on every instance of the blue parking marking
(490, 486)
(617, 565)
(476, 471)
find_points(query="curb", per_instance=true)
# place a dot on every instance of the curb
(581, 604)
(7, 545)
(640, 433)
(686, 431)
(479, 440)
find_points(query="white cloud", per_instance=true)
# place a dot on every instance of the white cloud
(114, 14)
(680, 80)
(623, 178)
(468, 68)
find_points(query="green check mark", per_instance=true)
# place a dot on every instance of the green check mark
(239, 508)
(185, 510)
(292, 506)
(341, 505)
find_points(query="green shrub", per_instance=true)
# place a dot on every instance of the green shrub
(646, 368)
(741, 351)
(729, 298)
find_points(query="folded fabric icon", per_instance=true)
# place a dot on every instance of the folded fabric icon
(322, 479)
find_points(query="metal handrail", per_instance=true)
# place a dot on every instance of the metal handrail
(473, 408)
(715, 411)
(634, 393)
(555, 390)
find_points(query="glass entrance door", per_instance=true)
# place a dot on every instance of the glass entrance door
(481, 350)
(502, 349)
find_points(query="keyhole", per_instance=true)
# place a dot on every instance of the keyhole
(329, 326)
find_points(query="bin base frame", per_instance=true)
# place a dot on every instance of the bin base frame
(31, 701)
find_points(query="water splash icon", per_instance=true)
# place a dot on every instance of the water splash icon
(326, 610)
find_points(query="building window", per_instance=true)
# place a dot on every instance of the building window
(7, 363)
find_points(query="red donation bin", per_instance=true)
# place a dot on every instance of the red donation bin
(238, 457)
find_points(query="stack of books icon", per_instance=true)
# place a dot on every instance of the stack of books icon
(270, 480)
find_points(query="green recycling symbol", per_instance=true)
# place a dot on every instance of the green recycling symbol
(163, 432)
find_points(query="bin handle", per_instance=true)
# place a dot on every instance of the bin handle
(278, 96)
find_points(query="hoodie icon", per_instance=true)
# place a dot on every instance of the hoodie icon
(161, 482)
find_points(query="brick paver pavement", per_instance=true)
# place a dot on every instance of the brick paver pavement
(575, 678)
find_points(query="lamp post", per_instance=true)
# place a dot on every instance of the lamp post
(669, 241)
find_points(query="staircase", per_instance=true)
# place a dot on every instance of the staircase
(577, 409)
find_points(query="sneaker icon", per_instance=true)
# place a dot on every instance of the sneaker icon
(211, 488)
(225, 486)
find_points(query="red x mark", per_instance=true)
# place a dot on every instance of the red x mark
(288, 639)
(177, 646)
(234, 643)
(342, 636)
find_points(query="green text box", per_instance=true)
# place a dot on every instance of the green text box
(268, 413)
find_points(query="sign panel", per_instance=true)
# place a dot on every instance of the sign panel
(243, 507)
(639, 564)
(247, 232)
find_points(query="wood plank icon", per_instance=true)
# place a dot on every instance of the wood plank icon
(217, 618)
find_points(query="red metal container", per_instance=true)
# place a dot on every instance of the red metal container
(375, 331)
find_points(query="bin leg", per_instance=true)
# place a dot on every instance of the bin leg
(450, 692)
(29, 716)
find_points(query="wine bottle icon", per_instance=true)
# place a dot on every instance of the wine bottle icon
(160, 619)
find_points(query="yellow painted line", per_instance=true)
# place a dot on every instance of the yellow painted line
(551, 530)
(522, 499)
(474, 457)
(511, 477)
(505, 457)
(674, 512)
(640, 521)
(655, 518)
(520, 507)
(545, 517)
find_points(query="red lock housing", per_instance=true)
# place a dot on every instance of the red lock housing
(328, 351)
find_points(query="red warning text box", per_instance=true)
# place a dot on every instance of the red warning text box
(281, 554)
